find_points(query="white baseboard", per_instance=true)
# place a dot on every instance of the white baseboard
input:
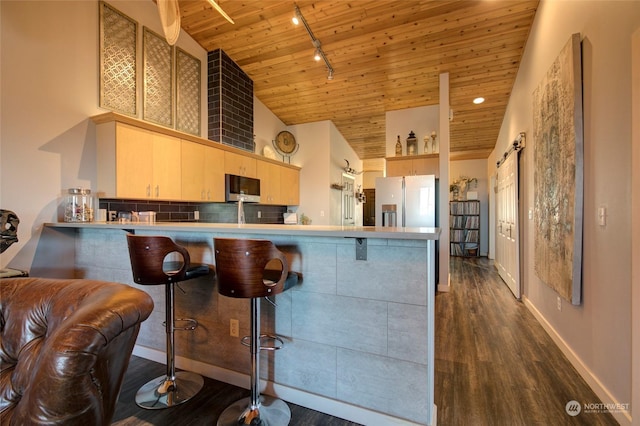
(296, 396)
(622, 417)
(445, 288)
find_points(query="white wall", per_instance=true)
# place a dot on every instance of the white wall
(421, 120)
(596, 334)
(49, 88)
(321, 155)
(313, 156)
(266, 126)
(476, 169)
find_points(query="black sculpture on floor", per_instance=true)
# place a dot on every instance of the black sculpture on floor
(8, 229)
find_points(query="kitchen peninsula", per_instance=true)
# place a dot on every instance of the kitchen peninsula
(358, 329)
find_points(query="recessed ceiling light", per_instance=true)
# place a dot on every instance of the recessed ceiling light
(478, 101)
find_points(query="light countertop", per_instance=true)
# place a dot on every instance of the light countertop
(426, 233)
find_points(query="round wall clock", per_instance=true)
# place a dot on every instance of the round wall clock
(285, 143)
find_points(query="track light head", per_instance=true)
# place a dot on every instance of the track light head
(318, 53)
(297, 17)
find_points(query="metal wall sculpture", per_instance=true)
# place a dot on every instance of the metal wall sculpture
(118, 40)
(188, 93)
(558, 174)
(158, 79)
(171, 77)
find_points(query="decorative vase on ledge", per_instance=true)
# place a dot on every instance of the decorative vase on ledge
(412, 144)
(398, 147)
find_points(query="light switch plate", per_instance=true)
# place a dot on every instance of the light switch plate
(602, 216)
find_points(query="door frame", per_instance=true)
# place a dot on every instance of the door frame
(635, 226)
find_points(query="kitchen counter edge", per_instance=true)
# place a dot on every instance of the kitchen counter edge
(427, 233)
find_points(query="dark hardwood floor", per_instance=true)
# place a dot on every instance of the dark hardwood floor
(495, 365)
(202, 409)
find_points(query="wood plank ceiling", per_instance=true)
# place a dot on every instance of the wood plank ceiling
(387, 55)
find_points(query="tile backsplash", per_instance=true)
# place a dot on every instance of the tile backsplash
(179, 211)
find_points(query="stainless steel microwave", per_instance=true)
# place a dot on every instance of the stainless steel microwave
(237, 187)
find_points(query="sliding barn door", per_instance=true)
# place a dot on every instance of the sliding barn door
(507, 228)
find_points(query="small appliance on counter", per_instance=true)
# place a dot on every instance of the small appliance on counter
(290, 218)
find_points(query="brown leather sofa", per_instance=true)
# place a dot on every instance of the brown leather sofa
(64, 348)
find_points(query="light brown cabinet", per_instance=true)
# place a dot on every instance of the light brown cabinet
(138, 160)
(289, 186)
(279, 184)
(269, 175)
(202, 173)
(427, 164)
(237, 164)
(133, 163)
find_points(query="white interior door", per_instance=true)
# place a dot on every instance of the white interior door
(348, 200)
(507, 228)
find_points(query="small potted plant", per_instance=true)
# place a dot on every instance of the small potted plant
(305, 220)
(461, 185)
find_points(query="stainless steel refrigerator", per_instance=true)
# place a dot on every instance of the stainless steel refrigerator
(408, 201)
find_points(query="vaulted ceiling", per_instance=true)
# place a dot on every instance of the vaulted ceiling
(387, 55)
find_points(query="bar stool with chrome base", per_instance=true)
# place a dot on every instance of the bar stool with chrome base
(241, 272)
(148, 254)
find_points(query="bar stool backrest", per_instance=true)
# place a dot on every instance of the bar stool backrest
(241, 268)
(148, 254)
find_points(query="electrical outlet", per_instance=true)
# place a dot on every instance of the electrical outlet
(234, 328)
(196, 215)
(559, 303)
(259, 214)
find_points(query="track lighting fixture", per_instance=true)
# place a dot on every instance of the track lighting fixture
(319, 53)
(217, 7)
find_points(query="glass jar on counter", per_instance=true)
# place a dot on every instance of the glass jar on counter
(78, 206)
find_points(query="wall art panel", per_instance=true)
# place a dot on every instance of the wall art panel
(558, 174)
(188, 93)
(118, 71)
(158, 79)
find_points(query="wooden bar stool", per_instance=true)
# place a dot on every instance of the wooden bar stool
(248, 269)
(149, 265)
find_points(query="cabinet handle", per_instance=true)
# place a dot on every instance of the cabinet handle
(202, 195)
(208, 194)
(157, 191)
(149, 190)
